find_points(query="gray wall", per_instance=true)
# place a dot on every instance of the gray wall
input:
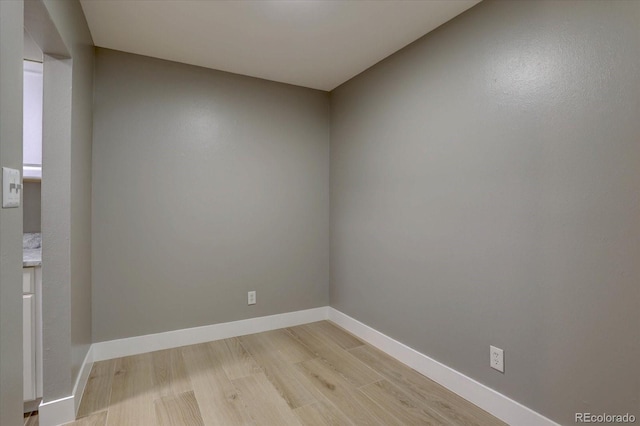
(31, 207)
(11, 23)
(484, 190)
(205, 185)
(56, 224)
(66, 201)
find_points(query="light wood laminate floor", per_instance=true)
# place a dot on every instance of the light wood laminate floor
(31, 419)
(314, 374)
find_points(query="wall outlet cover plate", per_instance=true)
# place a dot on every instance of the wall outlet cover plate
(11, 188)
(497, 358)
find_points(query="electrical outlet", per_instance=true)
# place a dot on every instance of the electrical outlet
(497, 358)
(251, 298)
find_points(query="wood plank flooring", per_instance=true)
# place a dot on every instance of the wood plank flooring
(31, 419)
(311, 375)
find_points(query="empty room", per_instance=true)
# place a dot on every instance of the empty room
(319, 212)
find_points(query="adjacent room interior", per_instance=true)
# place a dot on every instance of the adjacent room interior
(316, 212)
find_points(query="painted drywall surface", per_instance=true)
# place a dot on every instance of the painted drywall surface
(484, 190)
(205, 185)
(32, 51)
(31, 207)
(66, 199)
(11, 19)
(56, 228)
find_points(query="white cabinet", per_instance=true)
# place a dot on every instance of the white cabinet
(32, 121)
(32, 333)
(29, 346)
(28, 280)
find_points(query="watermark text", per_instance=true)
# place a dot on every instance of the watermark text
(605, 418)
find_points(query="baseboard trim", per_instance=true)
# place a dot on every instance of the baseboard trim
(83, 378)
(58, 412)
(504, 408)
(64, 410)
(31, 406)
(208, 333)
(512, 412)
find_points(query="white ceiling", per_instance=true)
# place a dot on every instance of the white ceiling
(312, 43)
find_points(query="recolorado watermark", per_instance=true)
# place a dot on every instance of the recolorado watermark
(605, 418)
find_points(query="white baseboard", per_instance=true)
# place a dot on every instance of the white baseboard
(208, 333)
(58, 412)
(64, 410)
(31, 406)
(83, 377)
(502, 407)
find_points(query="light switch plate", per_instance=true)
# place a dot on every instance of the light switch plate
(11, 188)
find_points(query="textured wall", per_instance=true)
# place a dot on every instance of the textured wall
(484, 190)
(66, 200)
(11, 23)
(205, 185)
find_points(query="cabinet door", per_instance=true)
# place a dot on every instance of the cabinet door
(29, 343)
(28, 280)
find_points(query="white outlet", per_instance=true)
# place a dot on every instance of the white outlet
(251, 298)
(497, 358)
